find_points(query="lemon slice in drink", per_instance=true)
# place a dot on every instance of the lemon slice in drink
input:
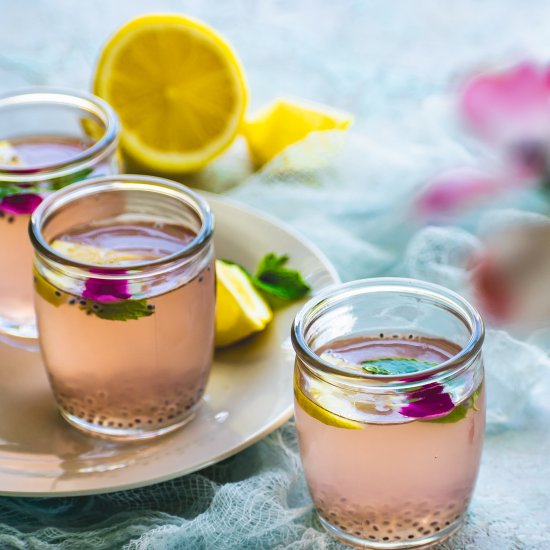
(177, 87)
(92, 254)
(45, 289)
(285, 122)
(8, 155)
(240, 309)
(316, 409)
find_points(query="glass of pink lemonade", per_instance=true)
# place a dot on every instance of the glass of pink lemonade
(125, 300)
(390, 409)
(48, 140)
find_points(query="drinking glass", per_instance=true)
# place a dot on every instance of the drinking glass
(125, 303)
(48, 140)
(390, 458)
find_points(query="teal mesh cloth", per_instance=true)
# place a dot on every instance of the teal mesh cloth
(393, 65)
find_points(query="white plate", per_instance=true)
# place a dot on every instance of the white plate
(248, 396)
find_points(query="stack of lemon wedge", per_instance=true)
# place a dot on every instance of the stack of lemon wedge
(180, 93)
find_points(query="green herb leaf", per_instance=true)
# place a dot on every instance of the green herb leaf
(124, 310)
(460, 411)
(58, 183)
(373, 369)
(393, 365)
(275, 280)
(7, 189)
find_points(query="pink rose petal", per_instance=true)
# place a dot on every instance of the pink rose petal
(106, 290)
(21, 203)
(430, 401)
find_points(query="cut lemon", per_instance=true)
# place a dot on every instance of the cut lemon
(285, 122)
(47, 291)
(240, 309)
(8, 155)
(315, 410)
(92, 254)
(177, 87)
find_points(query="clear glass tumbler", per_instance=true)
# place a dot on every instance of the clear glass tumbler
(390, 409)
(48, 140)
(125, 302)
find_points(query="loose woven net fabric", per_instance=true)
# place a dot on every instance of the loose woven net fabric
(392, 64)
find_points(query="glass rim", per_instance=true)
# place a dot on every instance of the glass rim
(340, 292)
(92, 186)
(57, 97)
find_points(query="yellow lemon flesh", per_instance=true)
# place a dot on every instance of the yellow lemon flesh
(45, 289)
(315, 410)
(8, 155)
(92, 254)
(178, 89)
(240, 309)
(285, 122)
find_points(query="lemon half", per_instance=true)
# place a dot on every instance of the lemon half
(177, 87)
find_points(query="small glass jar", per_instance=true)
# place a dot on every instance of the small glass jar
(48, 140)
(391, 457)
(125, 303)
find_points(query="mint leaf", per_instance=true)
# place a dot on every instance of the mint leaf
(373, 369)
(271, 262)
(275, 280)
(124, 310)
(7, 189)
(396, 365)
(460, 411)
(58, 183)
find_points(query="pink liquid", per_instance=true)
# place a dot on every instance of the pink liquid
(396, 480)
(16, 289)
(43, 151)
(136, 376)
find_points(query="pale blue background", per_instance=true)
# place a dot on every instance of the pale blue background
(393, 64)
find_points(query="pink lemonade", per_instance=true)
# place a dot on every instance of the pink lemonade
(124, 358)
(34, 153)
(385, 477)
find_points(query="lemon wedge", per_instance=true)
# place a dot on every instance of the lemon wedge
(285, 122)
(92, 254)
(178, 88)
(48, 291)
(240, 309)
(315, 405)
(8, 155)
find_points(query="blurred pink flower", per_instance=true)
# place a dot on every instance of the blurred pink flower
(457, 189)
(492, 291)
(510, 110)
